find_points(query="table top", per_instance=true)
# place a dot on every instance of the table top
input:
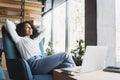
(95, 75)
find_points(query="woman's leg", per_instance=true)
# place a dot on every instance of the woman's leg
(45, 65)
(68, 61)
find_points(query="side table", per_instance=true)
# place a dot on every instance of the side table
(59, 75)
(94, 75)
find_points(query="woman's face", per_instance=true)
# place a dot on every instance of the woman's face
(28, 30)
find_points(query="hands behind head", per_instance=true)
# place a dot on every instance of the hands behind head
(40, 30)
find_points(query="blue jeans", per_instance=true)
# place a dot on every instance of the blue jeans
(41, 65)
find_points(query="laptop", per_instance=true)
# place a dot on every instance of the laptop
(93, 60)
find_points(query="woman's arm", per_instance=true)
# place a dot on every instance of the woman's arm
(10, 27)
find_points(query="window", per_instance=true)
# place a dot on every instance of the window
(75, 28)
(47, 24)
(76, 22)
(59, 28)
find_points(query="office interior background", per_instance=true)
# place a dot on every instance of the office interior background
(97, 22)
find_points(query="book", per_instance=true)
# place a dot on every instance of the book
(112, 69)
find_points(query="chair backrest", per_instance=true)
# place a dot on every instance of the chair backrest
(10, 49)
(41, 44)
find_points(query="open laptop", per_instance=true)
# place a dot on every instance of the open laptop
(93, 60)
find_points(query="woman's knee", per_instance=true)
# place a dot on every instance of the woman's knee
(64, 53)
(67, 55)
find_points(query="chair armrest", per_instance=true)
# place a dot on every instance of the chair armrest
(41, 45)
(19, 69)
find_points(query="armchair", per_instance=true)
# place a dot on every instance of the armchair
(18, 68)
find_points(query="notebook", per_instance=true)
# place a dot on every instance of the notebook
(93, 60)
(112, 69)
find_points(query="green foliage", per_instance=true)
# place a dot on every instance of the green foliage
(50, 50)
(78, 52)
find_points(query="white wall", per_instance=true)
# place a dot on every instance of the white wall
(106, 28)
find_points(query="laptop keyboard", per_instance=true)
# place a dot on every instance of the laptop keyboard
(76, 69)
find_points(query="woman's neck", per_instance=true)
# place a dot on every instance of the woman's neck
(27, 36)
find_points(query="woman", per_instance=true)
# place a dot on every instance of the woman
(27, 41)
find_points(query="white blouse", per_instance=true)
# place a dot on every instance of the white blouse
(26, 46)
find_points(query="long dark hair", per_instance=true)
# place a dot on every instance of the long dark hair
(20, 29)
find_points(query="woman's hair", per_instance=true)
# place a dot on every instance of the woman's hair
(21, 32)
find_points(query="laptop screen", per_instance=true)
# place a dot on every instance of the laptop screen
(94, 58)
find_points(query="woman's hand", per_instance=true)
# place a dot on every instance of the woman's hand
(41, 30)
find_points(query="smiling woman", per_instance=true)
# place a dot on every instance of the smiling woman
(28, 30)
(28, 46)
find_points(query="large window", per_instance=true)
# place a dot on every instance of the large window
(76, 22)
(62, 35)
(47, 24)
(59, 28)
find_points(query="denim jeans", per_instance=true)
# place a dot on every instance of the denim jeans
(41, 65)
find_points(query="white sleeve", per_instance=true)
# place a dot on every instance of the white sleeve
(10, 27)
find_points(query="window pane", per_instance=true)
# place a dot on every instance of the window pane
(75, 25)
(47, 24)
(76, 22)
(59, 28)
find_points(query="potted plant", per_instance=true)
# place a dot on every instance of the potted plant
(50, 49)
(78, 52)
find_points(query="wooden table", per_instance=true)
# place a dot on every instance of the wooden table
(96, 75)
